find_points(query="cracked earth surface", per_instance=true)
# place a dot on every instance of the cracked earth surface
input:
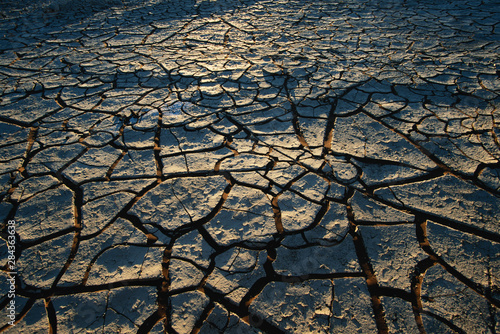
(251, 166)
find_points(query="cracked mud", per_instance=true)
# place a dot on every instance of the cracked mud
(251, 166)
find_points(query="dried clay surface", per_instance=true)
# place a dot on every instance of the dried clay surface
(250, 166)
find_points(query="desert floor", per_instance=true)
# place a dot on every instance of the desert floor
(250, 166)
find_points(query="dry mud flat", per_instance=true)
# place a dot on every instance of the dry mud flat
(250, 166)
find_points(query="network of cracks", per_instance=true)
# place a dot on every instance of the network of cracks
(250, 166)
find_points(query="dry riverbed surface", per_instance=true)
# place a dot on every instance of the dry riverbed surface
(250, 166)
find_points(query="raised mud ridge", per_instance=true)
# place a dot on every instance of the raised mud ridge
(251, 166)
